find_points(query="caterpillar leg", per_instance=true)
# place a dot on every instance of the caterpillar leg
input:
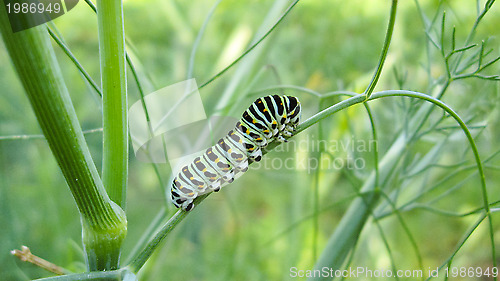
(188, 205)
(215, 186)
(280, 138)
(181, 201)
(256, 154)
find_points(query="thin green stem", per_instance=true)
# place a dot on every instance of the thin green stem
(91, 5)
(315, 221)
(30, 137)
(147, 234)
(437, 211)
(289, 87)
(146, 113)
(375, 145)
(487, 7)
(139, 88)
(114, 88)
(330, 111)
(462, 243)
(287, 11)
(70, 55)
(311, 216)
(429, 110)
(406, 229)
(385, 49)
(198, 39)
(143, 256)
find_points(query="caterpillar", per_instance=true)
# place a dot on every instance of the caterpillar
(268, 119)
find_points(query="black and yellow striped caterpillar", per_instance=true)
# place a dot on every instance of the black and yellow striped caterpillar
(268, 119)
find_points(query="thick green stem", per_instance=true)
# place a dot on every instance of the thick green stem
(114, 92)
(104, 224)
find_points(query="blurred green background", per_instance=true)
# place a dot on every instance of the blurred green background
(264, 223)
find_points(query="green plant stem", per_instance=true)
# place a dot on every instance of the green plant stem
(472, 144)
(345, 236)
(143, 256)
(487, 7)
(114, 93)
(141, 94)
(329, 111)
(348, 230)
(103, 222)
(462, 243)
(148, 232)
(385, 49)
(287, 11)
(70, 55)
(197, 41)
